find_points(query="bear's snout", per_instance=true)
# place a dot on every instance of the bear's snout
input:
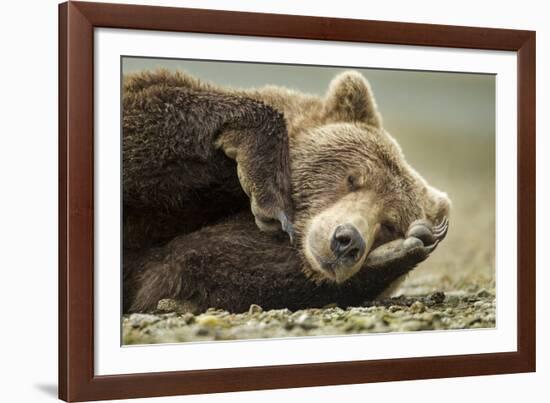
(338, 239)
(347, 244)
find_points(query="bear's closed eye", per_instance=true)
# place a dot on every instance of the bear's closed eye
(353, 182)
(387, 233)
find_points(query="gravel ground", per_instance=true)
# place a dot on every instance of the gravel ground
(471, 308)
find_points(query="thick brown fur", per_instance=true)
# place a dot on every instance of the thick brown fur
(190, 148)
(175, 137)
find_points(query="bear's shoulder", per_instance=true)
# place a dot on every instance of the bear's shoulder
(144, 80)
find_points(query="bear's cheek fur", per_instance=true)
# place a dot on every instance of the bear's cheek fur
(359, 214)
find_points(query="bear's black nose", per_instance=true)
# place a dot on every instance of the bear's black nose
(347, 244)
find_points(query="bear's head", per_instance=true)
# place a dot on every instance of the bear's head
(352, 187)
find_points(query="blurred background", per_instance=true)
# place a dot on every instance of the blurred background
(445, 124)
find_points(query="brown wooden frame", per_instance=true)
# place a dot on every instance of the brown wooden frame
(77, 21)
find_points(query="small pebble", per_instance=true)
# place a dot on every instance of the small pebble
(483, 293)
(357, 324)
(202, 331)
(437, 297)
(411, 325)
(417, 307)
(255, 309)
(289, 325)
(305, 322)
(208, 320)
(167, 305)
(188, 318)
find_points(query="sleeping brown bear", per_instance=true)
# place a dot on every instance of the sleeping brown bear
(212, 177)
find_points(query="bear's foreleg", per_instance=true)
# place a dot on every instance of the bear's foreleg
(231, 265)
(172, 138)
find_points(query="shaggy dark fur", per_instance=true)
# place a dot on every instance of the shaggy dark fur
(176, 177)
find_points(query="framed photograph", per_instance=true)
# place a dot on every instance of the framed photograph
(255, 201)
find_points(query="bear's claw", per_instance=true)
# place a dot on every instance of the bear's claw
(440, 231)
(421, 240)
(269, 222)
(429, 235)
(286, 226)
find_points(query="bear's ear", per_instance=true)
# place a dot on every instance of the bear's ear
(349, 99)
